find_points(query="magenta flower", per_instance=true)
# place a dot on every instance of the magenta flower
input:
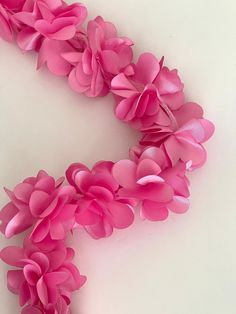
(148, 96)
(40, 201)
(185, 141)
(48, 19)
(106, 55)
(99, 209)
(44, 281)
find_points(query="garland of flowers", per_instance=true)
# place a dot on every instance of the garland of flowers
(148, 96)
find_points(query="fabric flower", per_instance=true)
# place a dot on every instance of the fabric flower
(48, 19)
(7, 22)
(149, 95)
(106, 55)
(99, 208)
(44, 281)
(142, 179)
(40, 201)
(185, 142)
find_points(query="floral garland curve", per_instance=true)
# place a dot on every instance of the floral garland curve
(148, 96)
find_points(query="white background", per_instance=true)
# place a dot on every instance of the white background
(186, 265)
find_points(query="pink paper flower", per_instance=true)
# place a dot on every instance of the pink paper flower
(106, 55)
(185, 141)
(40, 201)
(149, 95)
(44, 281)
(99, 208)
(48, 19)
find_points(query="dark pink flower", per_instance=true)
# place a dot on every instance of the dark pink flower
(106, 55)
(44, 281)
(48, 19)
(149, 96)
(185, 141)
(99, 208)
(40, 201)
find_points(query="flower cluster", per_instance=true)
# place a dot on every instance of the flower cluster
(149, 96)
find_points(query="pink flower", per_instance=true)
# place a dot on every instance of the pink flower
(7, 22)
(143, 179)
(44, 281)
(48, 19)
(184, 142)
(106, 55)
(40, 201)
(99, 208)
(149, 96)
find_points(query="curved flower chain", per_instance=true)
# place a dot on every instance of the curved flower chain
(149, 96)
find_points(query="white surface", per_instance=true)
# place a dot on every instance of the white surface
(186, 265)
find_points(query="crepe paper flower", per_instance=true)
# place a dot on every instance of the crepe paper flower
(106, 55)
(149, 96)
(99, 209)
(185, 142)
(48, 19)
(40, 201)
(44, 281)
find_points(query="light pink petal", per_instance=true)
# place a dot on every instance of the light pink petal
(31, 310)
(168, 82)
(121, 215)
(23, 191)
(155, 154)
(95, 36)
(157, 192)
(124, 110)
(110, 61)
(31, 274)
(179, 204)
(39, 200)
(57, 257)
(15, 278)
(147, 167)
(209, 129)
(6, 214)
(42, 291)
(74, 84)
(46, 184)
(100, 230)
(19, 223)
(5, 28)
(121, 86)
(57, 231)
(192, 151)
(28, 39)
(124, 171)
(40, 230)
(150, 179)
(24, 294)
(56, 277)
(51, 53)
(147, 68)
(86, 217)
(12, 255)
(187, 112)
(154, 211)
